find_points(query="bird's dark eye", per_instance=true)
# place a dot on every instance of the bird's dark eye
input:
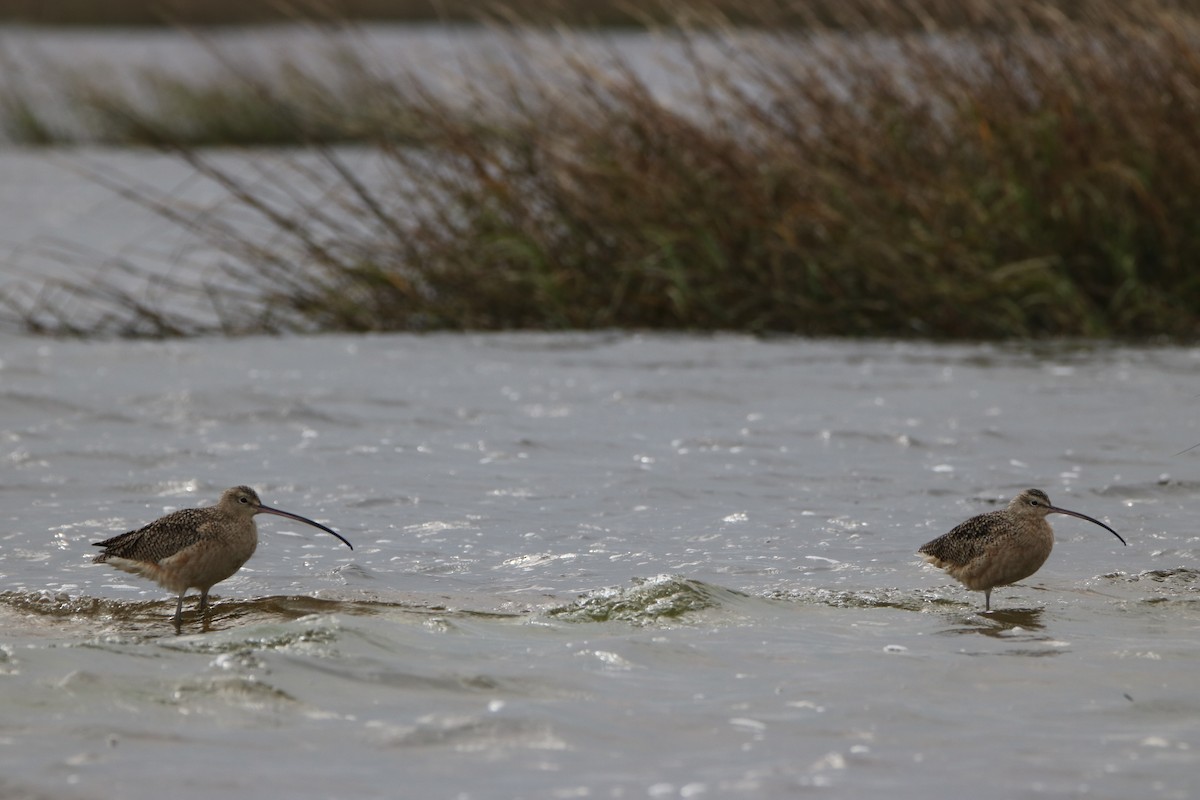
(243, 500)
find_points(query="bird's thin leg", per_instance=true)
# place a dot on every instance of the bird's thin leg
(987, 599)
(203, 600)
(178, 618)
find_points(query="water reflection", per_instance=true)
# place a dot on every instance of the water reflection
(1008, 623)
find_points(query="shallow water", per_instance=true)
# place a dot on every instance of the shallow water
(599, 566)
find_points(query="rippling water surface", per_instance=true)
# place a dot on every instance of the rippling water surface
(599, 566)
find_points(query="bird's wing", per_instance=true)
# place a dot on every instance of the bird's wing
(154, 542)
(964, 543)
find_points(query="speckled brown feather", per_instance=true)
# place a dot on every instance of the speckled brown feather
(968, 540)
(162, 538)
(1001, 547)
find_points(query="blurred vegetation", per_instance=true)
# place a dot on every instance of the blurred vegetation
(1033, 174)
(852, 15)
(246, 12)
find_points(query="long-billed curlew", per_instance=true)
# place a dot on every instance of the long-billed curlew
(196, 547)
(1001, 547)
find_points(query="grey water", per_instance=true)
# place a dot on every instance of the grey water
(604, 565)
(607, 565)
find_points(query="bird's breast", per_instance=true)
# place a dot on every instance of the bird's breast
(1020, 555)
(212, 560)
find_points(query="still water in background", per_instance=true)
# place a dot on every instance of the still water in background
(599, 566)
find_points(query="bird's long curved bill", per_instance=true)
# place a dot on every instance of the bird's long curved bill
(1055, 509)
(268, 510)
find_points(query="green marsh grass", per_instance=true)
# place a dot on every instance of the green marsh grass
(1033, 174)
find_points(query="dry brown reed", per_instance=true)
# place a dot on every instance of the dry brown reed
(1030, 172)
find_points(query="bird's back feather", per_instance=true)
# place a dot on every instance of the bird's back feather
(966, 541)
(159, 540)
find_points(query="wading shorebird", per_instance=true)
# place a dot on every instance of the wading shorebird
(1001, 547)
(196, 547)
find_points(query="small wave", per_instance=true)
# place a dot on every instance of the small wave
(318, 635)
(647, 601)
(1162, 586)
(861, 598)
(471, 734)
(1180, 577)
(57, 604)
(152, 618)
(235, 691)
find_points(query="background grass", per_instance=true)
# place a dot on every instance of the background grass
(1033, 173)
(850, 15)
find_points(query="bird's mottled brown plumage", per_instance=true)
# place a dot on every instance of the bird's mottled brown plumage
(162, 538)
(1001, 547)
(195, 547)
